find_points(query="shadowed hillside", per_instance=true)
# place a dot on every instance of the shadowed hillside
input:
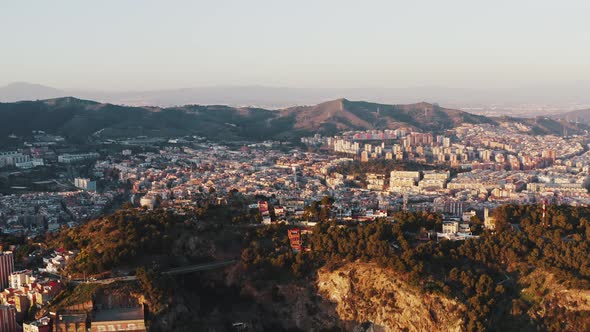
(582, 116)
(81, 120)
(343, 114)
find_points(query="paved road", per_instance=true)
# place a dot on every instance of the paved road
(104, 281)
(199, 267)
(175, 271)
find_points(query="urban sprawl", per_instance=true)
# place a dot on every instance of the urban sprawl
(463, 173)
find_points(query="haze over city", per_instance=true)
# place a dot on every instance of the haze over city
(465, 53)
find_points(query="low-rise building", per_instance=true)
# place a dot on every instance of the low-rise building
(40, 325)
(73, 158)
(85, 184)
(120, 319)
(450, 227)
(19, 278)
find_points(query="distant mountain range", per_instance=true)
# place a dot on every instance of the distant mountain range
(526, 99)
(581, 116)
(19, 91)
(80, 120)
(239, 96)
(342, 114)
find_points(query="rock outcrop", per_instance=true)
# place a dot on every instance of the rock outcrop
(368, 293)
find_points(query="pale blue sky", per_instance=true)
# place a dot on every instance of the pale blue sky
(131, 45)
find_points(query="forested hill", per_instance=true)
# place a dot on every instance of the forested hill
(525, 276)
(80, 120)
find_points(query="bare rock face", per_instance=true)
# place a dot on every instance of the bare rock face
(368, 293)
(561, 306)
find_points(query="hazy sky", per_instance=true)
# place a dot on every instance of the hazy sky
(123, 44)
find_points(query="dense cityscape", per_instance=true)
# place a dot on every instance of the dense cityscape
(50, 185)
(322, 166)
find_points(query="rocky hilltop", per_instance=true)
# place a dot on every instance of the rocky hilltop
(353, 279)
(368, 293)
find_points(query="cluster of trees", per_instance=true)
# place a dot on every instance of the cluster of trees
(268, 253)
(23, 247)
(382, 166)
(485, 273)
(155, 287)
(482, 273)
(251, 217)
(559, 241)
(118, 239)
(132, 237)
(319, 210)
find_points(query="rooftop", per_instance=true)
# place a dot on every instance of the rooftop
(118, 314)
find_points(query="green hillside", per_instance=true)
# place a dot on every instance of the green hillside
(81, 120)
